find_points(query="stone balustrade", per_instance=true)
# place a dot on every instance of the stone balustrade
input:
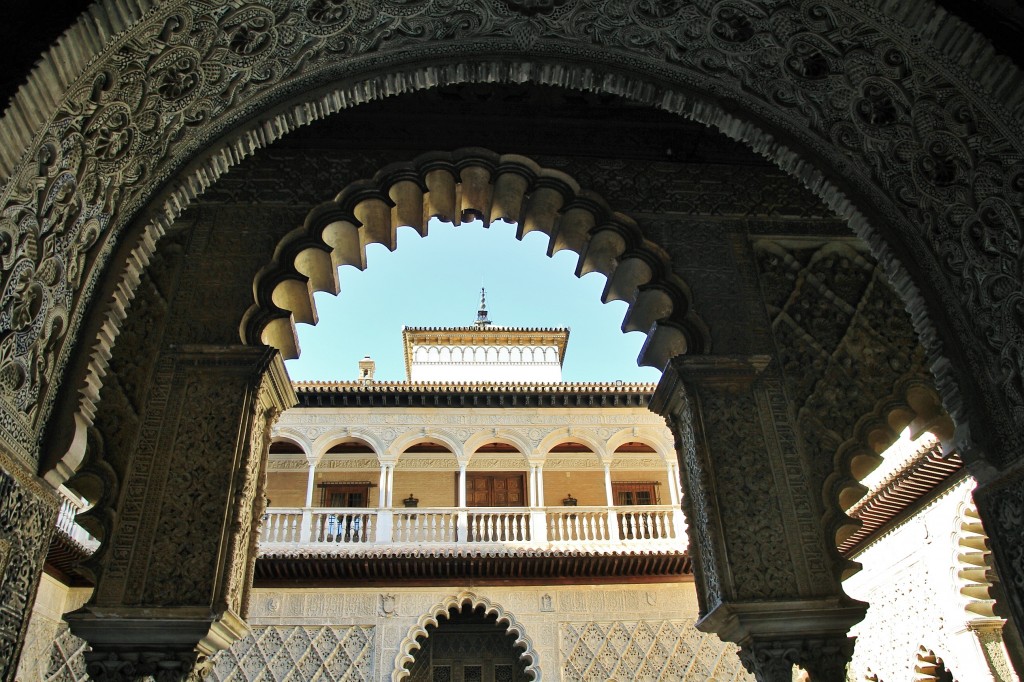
(339, 530)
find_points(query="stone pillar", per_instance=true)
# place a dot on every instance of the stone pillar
(613, 516)
(382, 496)
(462, 522)
(766, 578)
(673, 484)
(28, 513)
(389, 478)
(462, 484)
(310, 479)
(306, 530)
(173, 579)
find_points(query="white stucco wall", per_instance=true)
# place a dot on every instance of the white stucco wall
(910, 579)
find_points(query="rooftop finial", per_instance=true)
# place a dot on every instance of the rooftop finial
(481, 315)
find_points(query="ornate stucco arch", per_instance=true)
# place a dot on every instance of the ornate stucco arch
(409, 644)
(913, 403)
(882, 78)
(573, 434)
(646, 435)
(407, 439)
(326, 441)
(295, 437)
(504, 435)
(971, 564)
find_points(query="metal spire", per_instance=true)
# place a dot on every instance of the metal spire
(481, 315)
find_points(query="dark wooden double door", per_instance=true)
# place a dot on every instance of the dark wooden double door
(496, 489)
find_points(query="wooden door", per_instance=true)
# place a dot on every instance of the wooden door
(496, 489)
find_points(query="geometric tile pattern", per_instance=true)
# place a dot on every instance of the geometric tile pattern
(646, 651)
(298, 654)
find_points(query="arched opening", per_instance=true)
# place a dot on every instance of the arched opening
(468, 644)
(501, 639)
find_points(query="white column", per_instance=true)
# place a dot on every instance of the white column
(673, 484)
(385, 516)
(538, 516)
(306, 527)
(676, 495)
(613, 517)
(391, 485)
(309, 484)
(540, 485)
(608, 484)
(462, 521)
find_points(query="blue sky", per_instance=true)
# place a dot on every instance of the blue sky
(435, 281)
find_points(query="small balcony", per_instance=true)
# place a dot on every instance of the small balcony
(341, 531)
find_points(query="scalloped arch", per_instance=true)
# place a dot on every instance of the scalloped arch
(913, 403)
(409, 644)
(972, 562)
(462, 185)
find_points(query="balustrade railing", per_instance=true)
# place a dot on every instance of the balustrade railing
(425, 525)
(69, 509)
(578, 524)
(533, 527)
(646, 523)
(498, 525)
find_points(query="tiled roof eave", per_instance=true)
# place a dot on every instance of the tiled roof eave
(900, 494)
(439, 566)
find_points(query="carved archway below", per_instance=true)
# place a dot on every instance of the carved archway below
(409, 644)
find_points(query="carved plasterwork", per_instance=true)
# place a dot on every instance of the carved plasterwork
(312, 626)
(287, 464)
(27, 516)
(295, 177)
(329, 653)
(334, 463)
(426, 462)
(849, 355)
(751, 512)
(923, 588)
(644, 650)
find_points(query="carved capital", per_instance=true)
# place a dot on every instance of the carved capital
(747, 623)
(137, 636)
(824, 658)
(730, 372)
(147, 666)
